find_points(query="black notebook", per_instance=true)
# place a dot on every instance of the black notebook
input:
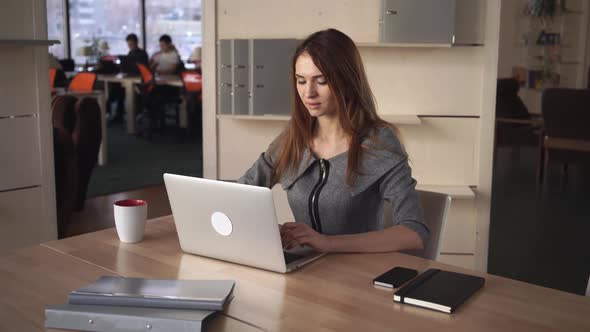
(439, 290)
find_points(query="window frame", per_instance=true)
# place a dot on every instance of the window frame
(68, 33)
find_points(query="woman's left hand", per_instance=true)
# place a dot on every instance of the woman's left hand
(294, 234)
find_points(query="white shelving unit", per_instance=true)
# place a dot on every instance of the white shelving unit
(407, 119)
(564, 58)
(408, 45)
(456, 192)
(27, 186)
(29, 42)
(268, 117)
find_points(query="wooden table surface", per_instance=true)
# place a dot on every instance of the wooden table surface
(335, 292)
(34, 278)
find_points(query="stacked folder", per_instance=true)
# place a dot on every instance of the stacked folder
(137, 304)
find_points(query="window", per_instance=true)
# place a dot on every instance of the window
(56, 29)
(99, 27)
(180, 19)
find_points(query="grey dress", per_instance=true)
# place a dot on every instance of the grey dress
(318, 194)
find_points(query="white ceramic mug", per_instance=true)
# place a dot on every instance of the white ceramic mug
(130, 217)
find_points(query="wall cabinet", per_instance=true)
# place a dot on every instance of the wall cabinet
(23, 218)
(437, 22)
(27, 190)
(255, 76)
(19, 147)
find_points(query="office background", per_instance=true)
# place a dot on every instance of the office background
(76, 23)
(450, 89)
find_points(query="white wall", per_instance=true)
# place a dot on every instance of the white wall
(452, 89)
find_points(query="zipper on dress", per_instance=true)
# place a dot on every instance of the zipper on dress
(314, 212)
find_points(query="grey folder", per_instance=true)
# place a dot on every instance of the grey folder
(123, 319)
(155, 293)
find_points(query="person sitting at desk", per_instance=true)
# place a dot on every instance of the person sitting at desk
(116, 91)
(338, 161)
(166, 61)
(139, 55)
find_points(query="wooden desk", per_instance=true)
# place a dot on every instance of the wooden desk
(130, 101)
(175, 81)
(334, 293)
(33, 278)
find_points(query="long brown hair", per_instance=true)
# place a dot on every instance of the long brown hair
(337, 57)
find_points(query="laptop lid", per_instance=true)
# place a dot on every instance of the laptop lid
(227, 221)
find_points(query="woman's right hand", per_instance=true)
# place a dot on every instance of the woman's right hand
(298, 234)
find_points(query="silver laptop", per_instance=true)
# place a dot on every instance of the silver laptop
(230, 221)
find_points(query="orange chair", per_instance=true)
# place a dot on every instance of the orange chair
(193, 97)
(192, 81)
(83, 82)
(146, 77)
(52, 73)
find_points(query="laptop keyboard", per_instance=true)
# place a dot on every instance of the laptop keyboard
(290, 257)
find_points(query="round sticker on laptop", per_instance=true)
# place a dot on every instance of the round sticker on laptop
(221, 223)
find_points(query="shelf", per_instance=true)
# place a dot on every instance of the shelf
(526, 88)
(407, 45)
(572, 12)
(29, 42)
(268, 117)
(456, 192)
(391, 118)
(560, 62)
(406, 119)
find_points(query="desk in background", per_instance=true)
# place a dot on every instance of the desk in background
(335, 292)
(131, 101)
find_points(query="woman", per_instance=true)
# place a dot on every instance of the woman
(338, 161)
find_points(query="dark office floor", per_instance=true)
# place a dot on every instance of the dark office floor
(135, 162)
(541, 238)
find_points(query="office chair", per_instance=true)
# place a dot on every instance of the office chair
(155, 98)
(87, 137)
(515, 127)
(566, 114)
(192, 84)
(191, 81)
(82, 82)
(436, 209)
(65, 160)
(67, 64)
(145, 124)
(147, 78)
(52, 73)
